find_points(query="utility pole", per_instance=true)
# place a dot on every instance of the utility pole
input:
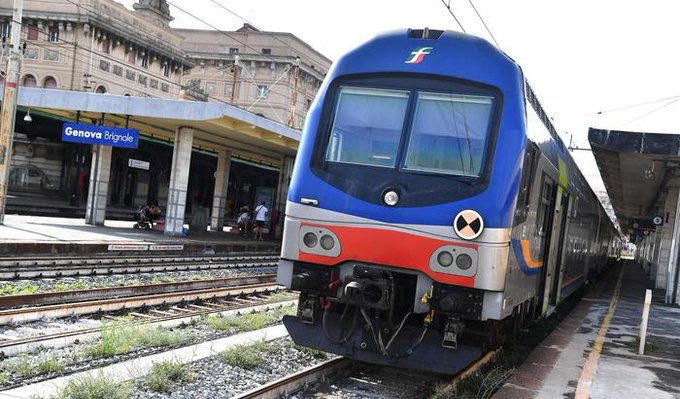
(234, 79)
(9, 103)
(293, 96)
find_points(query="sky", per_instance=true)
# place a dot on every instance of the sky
(581, 57)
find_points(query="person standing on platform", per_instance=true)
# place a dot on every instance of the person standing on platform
(260, 217)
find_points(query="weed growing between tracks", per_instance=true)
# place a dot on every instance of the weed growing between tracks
(248, 321)
(164, 374)
(246, 357)
(95, 387)
(18, 288)
(118, 339)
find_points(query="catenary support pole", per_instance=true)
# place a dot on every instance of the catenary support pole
(9, 104)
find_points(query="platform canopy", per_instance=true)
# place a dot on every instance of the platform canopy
(637, 169)
(216, 125)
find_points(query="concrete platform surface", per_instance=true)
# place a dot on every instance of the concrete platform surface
(593, 353)
(38, 235)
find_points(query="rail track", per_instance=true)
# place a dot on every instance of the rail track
(169, 316)
(342, 377)
(50, 267)
(104, 300)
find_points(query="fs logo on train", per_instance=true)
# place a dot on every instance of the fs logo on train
(418, 55)
(468, 224)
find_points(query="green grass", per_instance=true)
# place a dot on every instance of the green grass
(164, 374)
(21, 365)
(117, 339)
(249, 321)
(18, 289)
(315, 353)
(247, 357)
(76, 285)
(49, 366)
(3, 378)
(95, 387)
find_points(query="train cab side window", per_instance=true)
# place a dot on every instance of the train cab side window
(367, 127)
(528, 174)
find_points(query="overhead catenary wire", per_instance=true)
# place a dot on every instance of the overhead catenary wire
(625, 107)
(657, 109)
(447, 4)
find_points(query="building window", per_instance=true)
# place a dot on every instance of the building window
(50, 83)
(104, 65)
(233, 50)
(165, 87)
(31, 54)
(53, 34)
(262, 91)
(166, 69)
(153, 83)
(100, 90)
(106, 46)
(51, 55)
(130, 75)
(266, 51)
(32, 32)
(210, 88)
(118, 70)
(142, 80)
(6, 29)
(29, 81)
(144, 62)
(132, 56)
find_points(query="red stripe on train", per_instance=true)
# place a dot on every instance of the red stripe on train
(388, 247)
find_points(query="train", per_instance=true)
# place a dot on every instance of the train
(433, 207)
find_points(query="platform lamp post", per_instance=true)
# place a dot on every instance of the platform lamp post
(9, 103)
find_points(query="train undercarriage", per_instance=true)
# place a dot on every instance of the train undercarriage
(381, 315)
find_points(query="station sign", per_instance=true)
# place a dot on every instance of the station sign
(104, 135)
(138, 164)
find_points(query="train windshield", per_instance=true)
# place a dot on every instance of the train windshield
(368, 126)
(449, 134)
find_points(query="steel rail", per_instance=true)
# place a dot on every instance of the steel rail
(109, 305)
(294, 382)
(28, 269)
(50, 298)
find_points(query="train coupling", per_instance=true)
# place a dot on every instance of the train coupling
(452, 330)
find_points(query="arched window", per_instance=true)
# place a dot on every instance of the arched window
(29, 81)
(100, 90)
(50, 83)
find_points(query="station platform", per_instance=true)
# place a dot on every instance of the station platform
(53, 236)
(593, 353)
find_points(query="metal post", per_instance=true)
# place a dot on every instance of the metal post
(9, 104)
(293, 96)
(234, 80)
(673, 256)
(643, 323)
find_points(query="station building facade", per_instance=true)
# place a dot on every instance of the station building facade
(100, 46)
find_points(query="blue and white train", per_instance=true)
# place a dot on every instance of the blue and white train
(432, 203)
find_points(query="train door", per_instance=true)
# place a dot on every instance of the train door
(553, 227)
(563, 215)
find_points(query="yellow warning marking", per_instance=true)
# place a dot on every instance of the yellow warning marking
(590, 367)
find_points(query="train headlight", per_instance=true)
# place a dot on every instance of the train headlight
(391, 198)
(445, 259)
(310, 240)
(327, 242)
(463, 261)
